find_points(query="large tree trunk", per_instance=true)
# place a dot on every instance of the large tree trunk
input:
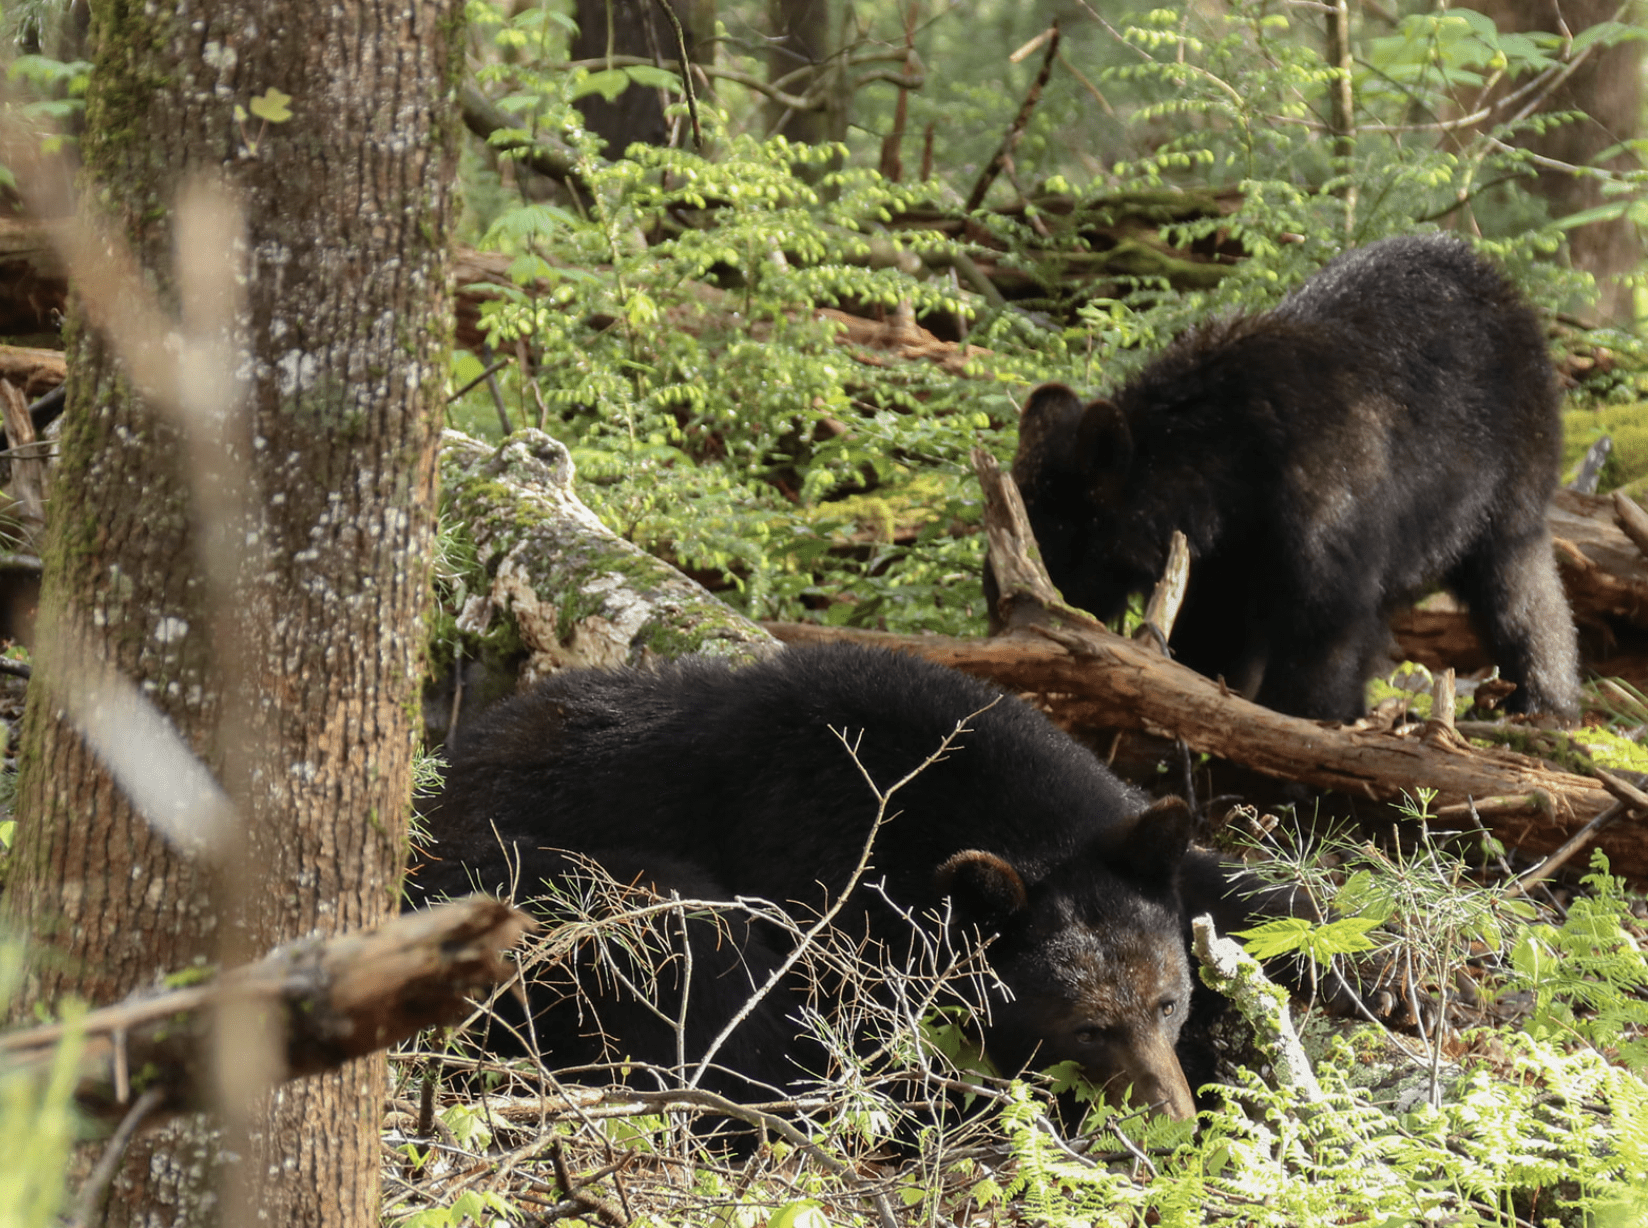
(798, 52)
(1608, 89)
(635, 27)
(343, 348)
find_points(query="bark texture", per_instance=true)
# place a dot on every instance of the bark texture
(343, 350)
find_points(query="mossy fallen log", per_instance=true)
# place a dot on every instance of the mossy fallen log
(551, 575)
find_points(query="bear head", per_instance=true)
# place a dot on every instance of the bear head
(1092, 956)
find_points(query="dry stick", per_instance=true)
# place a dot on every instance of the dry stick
(1632, 800)
(90, 1196)
(686, 71)
(1572, 845)
(28, 472)
(344, 997)
(829, 914)
(1162, 610)
(194, 385)
(976, 197)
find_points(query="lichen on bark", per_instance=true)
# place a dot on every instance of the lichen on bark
(571, 590)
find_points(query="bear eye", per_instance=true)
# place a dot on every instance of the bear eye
(1086, 1036)
(1169, 1008)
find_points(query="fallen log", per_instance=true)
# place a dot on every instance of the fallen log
(1104, 681)
(35, 371)
(575, 593)
(1603, 571)
(337, 999)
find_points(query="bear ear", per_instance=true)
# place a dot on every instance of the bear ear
(982, 887)
(1048, 428)
(1105, 442)
(1157, 841)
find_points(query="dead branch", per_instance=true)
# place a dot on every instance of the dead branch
(28, 468)
(1004, 151)
(1603, 571)
(337, 999)
(1162, 610)
(1632, 520)
(35, 371)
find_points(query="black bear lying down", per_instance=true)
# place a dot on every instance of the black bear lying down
(1392, 424)
(721, 783)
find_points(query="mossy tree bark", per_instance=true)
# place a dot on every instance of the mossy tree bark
(342, 347)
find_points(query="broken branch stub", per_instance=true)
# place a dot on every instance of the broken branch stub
(1027, 595)
(1162, 610)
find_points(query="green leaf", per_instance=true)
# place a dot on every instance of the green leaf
(1345, 936)
(802, 1213)
(1283, 936)
(653, 77)
(270, 106)
(608, 83)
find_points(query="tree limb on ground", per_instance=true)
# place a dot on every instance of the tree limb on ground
(339, 998)
(1094, 678)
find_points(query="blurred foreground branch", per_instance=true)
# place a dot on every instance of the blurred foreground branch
(336, 999)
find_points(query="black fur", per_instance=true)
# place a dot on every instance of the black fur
(1392, 424)
(721, 783)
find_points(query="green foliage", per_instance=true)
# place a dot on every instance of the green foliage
(38, 1123)
(720, 425)
(470, 1209)
(1551, 1115)
(1626, 426)
(673, 304)
(1588, 975)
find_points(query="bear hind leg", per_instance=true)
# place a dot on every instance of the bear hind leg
(1517, 602)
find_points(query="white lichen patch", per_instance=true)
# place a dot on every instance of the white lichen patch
(171, 630)
(299, 372)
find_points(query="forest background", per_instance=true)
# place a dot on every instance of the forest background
(1008, 205)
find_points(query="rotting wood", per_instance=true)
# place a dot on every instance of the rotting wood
(339, 998)
(1604, 573)
(36, 371)
(1162, 610)
(28, 468)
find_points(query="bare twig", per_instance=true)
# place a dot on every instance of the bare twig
(90, 1195)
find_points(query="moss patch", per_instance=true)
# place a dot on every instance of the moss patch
(1626, 425)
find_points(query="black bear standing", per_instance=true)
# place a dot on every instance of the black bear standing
(1392, 424)
(721, 783)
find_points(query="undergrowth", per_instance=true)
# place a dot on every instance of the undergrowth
(1541, 1122)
